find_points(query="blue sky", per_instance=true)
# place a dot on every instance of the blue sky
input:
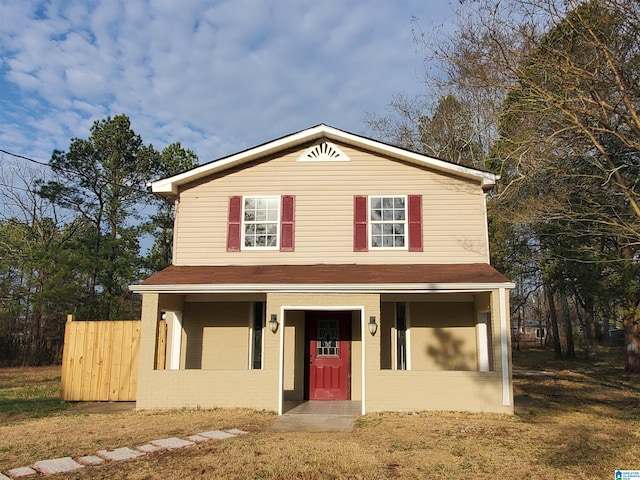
(218, 76)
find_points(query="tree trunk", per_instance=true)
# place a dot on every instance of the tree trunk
(631, 323)
(589, 331)
(557, 348)
(519, 329)
(568, 327)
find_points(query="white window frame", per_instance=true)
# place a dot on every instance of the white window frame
(405, 222)
(276, 222)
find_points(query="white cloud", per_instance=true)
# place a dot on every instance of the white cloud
(216, 76)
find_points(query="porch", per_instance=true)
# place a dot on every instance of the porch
(444, 351)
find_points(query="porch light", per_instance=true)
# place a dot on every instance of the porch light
(373, 326)
(273, 323)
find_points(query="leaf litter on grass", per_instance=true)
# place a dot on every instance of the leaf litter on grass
(580, 422)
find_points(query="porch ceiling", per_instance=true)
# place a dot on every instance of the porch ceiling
(413, 277)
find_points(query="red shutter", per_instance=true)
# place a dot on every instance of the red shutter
(360, 240)
(415, 223)
(234, 225)
(287, 223)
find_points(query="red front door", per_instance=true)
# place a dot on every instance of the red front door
(328, 341)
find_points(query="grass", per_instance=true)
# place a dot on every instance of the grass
(29, 393)
(580, 421)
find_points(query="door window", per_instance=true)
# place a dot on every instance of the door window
(327, 338)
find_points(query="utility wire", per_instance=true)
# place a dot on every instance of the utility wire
(38, 162)
(25, 158)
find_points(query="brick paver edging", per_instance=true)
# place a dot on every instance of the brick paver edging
(68, 464)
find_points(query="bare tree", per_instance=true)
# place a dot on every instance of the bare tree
(569, 144)
(553, 88)
(36, 277)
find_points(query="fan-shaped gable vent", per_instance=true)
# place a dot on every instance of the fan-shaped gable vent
(324, 152)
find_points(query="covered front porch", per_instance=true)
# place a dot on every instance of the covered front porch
(430, 350)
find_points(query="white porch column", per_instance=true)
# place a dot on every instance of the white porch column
(176, 339)
(483, 342)
(504, 345)
(281, 361)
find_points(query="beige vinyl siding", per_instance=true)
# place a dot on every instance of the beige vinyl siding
(453, 211)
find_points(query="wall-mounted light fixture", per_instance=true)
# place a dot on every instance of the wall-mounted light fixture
(273, 323)
(373, 326)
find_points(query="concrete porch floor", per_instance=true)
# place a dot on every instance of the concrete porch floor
(318, 416)
(323, 407)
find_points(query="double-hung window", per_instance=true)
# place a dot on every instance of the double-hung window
(261, 219)
(388, 220)
(391, 222)
(261, 222)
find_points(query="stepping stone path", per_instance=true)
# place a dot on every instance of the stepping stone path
(172, 443)
(119, 454)
(58, 465)
(91, 460)
(68, 464)
(148, 448)
(217, 435)
(22, 472)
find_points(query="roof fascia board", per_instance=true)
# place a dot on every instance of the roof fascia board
(323, 288)
(488, 179)
(169, 186)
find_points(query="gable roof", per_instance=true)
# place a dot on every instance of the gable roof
(169, 186)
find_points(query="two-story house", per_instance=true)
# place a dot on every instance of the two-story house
(326, 265)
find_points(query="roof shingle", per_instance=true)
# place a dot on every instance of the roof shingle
(423, 274)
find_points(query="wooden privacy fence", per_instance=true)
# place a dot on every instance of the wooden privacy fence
(100, 360)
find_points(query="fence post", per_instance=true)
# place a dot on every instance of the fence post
(67, 358)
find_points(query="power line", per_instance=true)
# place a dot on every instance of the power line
(38, 162)
(25, 158)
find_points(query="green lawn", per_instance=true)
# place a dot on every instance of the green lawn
(32, 392)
